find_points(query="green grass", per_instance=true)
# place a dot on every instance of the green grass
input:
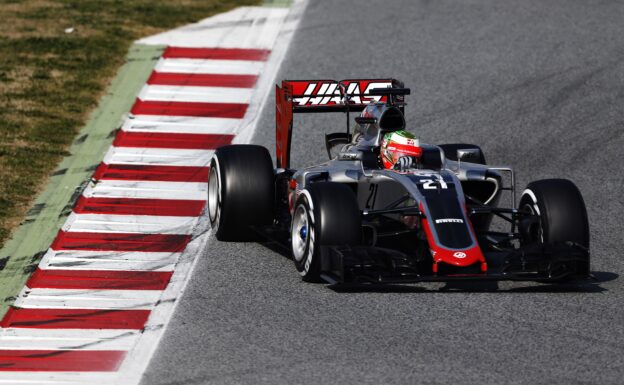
(50, 80)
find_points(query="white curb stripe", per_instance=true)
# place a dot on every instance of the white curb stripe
(196, 94)
(134, 366)
(248, 27)
(158, 156)
(146, 224)
(109, 260)
(58, 378)
(87, 299)
(180, 124)
(244, 27)
(67, 339)
(209, 66)
(146, 190)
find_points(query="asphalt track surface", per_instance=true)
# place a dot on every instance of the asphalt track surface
(540, 86)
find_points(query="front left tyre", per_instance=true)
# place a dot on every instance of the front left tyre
(241, 191)
(325, 214)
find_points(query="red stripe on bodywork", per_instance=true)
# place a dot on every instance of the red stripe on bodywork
(212, 110)
(441, 254)
(99, 279)
(153, 173)
(202, 80)
(132, 206)
(61, 360)
(169, 140)
(120, 242)
(216, 53)
(74, 318)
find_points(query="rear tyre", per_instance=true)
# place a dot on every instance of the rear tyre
(241, 191)
(450, 151)
(326, 214)
(560, 211)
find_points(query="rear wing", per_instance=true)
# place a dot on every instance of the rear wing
(307, 96)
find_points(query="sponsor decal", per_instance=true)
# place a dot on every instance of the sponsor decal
(459, 255)
(449, 220)
(328, 93)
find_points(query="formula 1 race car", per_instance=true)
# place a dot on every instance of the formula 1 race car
(359, 218)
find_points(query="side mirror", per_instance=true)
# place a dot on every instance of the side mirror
(361, 120)
(469, 155)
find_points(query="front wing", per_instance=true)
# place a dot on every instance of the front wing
(374, 265)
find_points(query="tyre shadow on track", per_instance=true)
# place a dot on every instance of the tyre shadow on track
(592, 286)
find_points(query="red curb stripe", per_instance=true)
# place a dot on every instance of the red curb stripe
(170, 140)
(202, 80)
(120, 242)
(74, 319)
(212, 110)
(131, 206)
(216, 53)
(153, 173)
(99, 279)
(61, 360)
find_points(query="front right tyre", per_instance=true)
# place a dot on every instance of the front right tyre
(561, 211)
(557, 215)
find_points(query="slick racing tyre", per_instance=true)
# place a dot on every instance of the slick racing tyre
(558, 217)
(450, 151)
(560, 208)
(326, 214)
(241, 191)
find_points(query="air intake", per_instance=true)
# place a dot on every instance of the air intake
(392, 119)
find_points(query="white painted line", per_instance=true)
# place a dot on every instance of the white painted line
(196, 94)
(180, 124)
(158, 156)
(135, 364)
(145, 224)
(248, 27)
(209, 66)
(265, 85)
(87, 299)
(108, 260)
(67, 339)
(146, 190)
(59, 378)
(244, 27)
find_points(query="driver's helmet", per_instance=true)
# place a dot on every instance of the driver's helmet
(397, 144)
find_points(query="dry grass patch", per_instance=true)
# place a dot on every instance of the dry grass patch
(50, 80)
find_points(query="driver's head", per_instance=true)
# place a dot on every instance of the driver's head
(397, 144)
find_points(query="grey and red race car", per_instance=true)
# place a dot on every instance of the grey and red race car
(353, 219)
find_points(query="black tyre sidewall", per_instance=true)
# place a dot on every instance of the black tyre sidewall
(561, 209)
(309, 265)
(334, 220)
(247, 191)
(214, 170)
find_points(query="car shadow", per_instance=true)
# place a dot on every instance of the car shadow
(591, 285)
